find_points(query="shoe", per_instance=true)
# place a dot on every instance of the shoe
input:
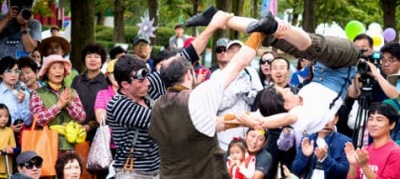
(202, 19)
(266, 25)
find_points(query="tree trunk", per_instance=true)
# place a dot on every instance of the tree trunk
(195, 4)
(82, 15)
(237, 10)
(119, 32)
(389, 13)
(223, 5)
(153, 13)
(100, 18)
(255, 9)
(309, 15)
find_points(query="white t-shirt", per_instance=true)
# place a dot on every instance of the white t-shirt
(314, 114)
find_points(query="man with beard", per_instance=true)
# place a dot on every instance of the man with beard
(190, 149)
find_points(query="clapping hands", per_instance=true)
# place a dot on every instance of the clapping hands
(356, 156)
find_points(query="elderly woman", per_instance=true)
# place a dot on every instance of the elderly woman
(69, 166)
(55, 103)
(29, 70)
(90, 82)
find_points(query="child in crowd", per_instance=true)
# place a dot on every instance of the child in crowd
(240, 164)
(7, 140)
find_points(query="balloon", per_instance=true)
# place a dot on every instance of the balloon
(389, 34)
(378, 40)
(353, 28)
(375, 28)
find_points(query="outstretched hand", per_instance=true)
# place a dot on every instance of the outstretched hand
(249, 120)
(220, 19)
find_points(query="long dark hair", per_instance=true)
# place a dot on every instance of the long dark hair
(262, 76)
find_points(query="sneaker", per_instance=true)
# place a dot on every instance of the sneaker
(202, 19)
(266, 25)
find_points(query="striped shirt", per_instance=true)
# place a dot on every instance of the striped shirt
(124, 117)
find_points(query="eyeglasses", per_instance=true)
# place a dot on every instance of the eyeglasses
(388, 60)
(220, 50)
(264, 61)
(29, 165)
(12, 71)
(141, 74)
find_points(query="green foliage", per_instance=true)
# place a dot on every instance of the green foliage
(42, 7)
(130, 33)
(339, 11)
(163, 35)
(105, 34)
(99, 28)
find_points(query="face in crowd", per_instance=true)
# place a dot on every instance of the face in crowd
(265, 63)
(255, 140)
(280, 71)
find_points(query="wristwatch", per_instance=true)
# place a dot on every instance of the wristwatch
(24, 31)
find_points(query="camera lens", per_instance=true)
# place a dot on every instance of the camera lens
(362, 67)
(26, 13)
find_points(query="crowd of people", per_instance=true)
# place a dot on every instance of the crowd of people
(171, 117)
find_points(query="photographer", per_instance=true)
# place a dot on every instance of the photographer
(389, 64)
(19, 34)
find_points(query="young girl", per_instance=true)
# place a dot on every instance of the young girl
(240, 164)
(7, 141)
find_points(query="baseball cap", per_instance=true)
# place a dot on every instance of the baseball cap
(235, 42)
(222, 42)
(141, 37)
(27, 156)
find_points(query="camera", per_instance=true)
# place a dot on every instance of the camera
(25, 12)
(374, 58)
(363, 68)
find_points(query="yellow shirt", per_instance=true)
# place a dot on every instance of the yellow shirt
(6, 139)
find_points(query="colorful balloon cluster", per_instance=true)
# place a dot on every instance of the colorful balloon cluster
(354, 28)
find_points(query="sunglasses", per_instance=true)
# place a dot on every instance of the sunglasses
(29, 165)
(220, 50)
(264, 61)
(141, 74)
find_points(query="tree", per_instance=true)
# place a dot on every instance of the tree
(119, 33)
(389, 12)
(153, 14)
(309, 15)
(82, 15)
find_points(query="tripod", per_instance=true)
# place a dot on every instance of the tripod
(359, 126)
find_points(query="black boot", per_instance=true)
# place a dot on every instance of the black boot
(266, 25)
(202, 19)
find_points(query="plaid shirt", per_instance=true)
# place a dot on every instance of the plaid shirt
(46, 115)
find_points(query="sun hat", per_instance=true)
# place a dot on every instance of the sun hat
(53, 59)
(62, 41)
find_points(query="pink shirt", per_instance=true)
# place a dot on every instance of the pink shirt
(384, 161)
(102, 98)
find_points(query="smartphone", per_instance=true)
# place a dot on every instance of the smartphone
(18, 121)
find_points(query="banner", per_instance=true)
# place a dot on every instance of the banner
(269, 5)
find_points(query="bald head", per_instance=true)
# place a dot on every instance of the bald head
(173, 70)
